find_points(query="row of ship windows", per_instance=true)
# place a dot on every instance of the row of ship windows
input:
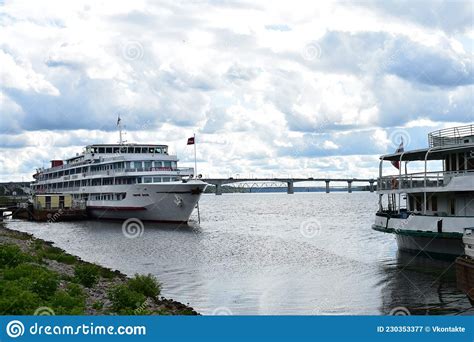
(160, 179)
(106, 197)
(128, 149)
(139, 165)
(107, 181)
(111, 197)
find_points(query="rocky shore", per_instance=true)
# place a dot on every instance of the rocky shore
(38, 278)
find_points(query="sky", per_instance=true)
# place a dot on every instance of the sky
(270, 88)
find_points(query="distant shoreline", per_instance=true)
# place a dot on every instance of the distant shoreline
(230, 189)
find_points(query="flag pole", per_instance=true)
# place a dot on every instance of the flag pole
(195, 160)
(196, 175)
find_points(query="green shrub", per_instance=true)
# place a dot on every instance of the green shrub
(34, 278)
(86, 274)
(66, 277)
(45, 284)
(66, 259)
(38, 244)
(125, 300)
(75, 290)
(98, 305)
(64, 304)
(21, 271)
(186, 312)
(108, 274)
(70, 301)
(15, 300)
(55, 253)
(146, 285)
(11, 256)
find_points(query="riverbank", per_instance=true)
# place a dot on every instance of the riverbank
(38, 278)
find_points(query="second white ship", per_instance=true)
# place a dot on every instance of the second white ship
(429, 211)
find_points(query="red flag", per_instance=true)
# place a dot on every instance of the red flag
(190, 141)
(400, 148)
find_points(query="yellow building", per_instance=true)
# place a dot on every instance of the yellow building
(52, 201)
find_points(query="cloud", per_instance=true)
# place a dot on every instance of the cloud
(19, 74)
(436, 66)
(277, 87)
(449, 16)
(375, 53)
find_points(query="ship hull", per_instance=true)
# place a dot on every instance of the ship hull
(166, 202)
(429, 234)
(430, 245)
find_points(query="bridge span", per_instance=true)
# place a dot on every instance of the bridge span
(219, 182)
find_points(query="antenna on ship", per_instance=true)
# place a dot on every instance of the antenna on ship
(119, 125)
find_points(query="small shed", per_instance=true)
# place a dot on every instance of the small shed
(52, 201)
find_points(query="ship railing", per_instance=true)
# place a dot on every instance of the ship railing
(66, 166)
(113, 172)
(138, 169)
(59, 190)
(450, 136)
(189, 170)
(433, 179)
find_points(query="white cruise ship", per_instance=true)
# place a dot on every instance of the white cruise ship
(121, 181)
(430, 210)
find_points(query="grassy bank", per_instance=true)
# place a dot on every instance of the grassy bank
(38, 278)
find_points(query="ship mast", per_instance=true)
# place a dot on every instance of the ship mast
(119, 124)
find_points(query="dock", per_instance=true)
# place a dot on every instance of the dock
(46, 208)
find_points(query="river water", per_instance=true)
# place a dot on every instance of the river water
(301, 254)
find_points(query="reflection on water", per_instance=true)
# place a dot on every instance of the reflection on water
(308, 253)
(423, 285)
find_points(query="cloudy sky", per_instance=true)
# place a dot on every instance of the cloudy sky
(300, 88)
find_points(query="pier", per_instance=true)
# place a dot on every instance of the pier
(3, 210)
(219, 182)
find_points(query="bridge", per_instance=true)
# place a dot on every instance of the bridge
(219, 182)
